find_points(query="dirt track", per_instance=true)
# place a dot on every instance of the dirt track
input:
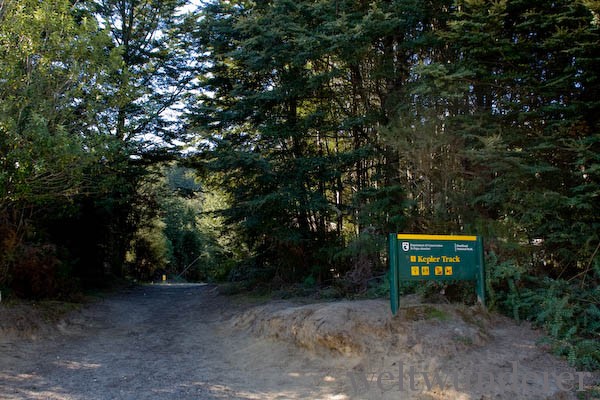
(187, 342)
(154, 342)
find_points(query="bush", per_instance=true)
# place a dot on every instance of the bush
(37, 273)
(363, 256)
(568, 310)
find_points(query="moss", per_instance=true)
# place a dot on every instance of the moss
(464, 340)
(434, 313)
(424, 312)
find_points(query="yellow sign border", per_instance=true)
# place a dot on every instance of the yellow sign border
(409, 236)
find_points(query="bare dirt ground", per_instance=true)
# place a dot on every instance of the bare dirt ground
(188, 342)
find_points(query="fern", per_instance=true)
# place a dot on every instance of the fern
(569, 311)
(591, 319)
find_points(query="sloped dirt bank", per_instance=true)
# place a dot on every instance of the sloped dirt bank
(427, 351)
(366, 327)
(34, 320)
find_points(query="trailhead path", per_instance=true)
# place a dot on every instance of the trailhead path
(156, 342)
(185, 341)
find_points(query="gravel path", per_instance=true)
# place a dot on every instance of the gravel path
(158, 342)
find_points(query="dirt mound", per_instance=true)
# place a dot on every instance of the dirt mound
(427, 351)
(367, 327)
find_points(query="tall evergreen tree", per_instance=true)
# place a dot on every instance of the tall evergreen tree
(151, 72)
(139, 93)
(295, 93)
(530, 83)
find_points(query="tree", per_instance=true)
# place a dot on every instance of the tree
(512, 97)
(83, 86)
(294, 94)
(138, 96)
(50, 61)
(537, 121)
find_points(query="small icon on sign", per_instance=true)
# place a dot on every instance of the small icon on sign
(424, 271)
(414, 271)
(413, 258)
(439, 270)
(405, 246)
(448, 271)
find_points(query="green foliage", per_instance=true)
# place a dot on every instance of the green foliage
(150, 71)
(571, 321)
(293, 93)
(69, 170)
(309, 282)
(330, 125)
(169, 237)
(567, 309)
(42, 68)
(320, 128)
(149, 250)
(360, 262)
(50, 157)
(379, 287)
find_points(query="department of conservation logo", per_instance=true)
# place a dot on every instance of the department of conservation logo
(405, 246)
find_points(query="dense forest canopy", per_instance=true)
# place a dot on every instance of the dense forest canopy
(311, 129)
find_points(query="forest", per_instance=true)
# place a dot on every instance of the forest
(273, 145)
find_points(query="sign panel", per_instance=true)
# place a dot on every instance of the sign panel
(435, 257)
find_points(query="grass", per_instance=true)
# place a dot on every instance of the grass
(434, 313)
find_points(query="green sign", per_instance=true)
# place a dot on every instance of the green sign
(434, 258)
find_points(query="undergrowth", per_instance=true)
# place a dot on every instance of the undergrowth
(567, 309)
